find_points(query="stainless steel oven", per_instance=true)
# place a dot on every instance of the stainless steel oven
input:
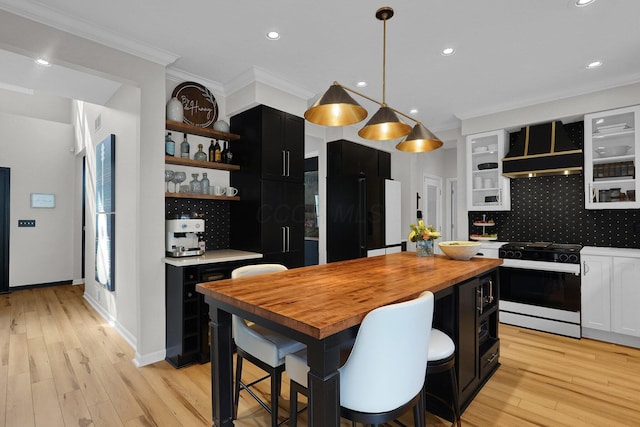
(540, 287)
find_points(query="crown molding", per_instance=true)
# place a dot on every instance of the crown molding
(533, 101)
(177, 75)
(256, 74)
(81, 28)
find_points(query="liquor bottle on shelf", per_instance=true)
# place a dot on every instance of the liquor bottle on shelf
(169, 145)
(212, 152)
(184, 148)
(200, 155)
(225, 152)
(217, 153)
(205, 183)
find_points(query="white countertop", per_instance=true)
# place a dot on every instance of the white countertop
(211, 257)
(607, 251)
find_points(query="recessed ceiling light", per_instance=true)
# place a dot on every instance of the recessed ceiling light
(447, 51)
(581, 3)
(273, 35)
(43, 62)
(413, 111)
(362, 83)
(594, 64)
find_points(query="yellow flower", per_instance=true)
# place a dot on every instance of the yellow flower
(420, 231)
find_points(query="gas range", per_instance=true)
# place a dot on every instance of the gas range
(541, 251)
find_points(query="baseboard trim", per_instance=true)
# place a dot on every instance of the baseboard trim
(147, 359)
(39, 285)
(128, 337)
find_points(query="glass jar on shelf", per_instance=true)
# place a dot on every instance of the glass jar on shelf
(195, 186)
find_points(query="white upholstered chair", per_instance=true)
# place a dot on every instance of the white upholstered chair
(261, 346)
(384, 374)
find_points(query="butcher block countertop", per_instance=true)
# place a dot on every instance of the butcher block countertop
(322, 300)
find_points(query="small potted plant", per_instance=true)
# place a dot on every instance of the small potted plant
(423, 236)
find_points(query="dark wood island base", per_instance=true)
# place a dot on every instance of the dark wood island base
(323, 306)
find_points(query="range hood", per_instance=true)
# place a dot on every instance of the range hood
(542, 150)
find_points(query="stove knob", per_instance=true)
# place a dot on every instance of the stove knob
(563, 257)
(517, 254)
(574, 259)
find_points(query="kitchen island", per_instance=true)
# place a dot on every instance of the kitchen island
(323, 306)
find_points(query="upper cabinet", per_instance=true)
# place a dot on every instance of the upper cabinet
(611, 144)
(487, 189)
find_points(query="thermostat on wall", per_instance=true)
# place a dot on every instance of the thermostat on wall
(41, 200)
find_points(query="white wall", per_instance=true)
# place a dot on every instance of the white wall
(148, 183)
(121, 118)
(38, 153)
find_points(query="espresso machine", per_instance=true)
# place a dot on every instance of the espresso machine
(182, 237)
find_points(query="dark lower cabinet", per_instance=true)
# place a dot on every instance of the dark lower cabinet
(467, 312)
(187, 318)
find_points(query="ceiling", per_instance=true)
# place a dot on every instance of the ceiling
(509, 53)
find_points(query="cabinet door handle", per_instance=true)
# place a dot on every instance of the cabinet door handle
(585, 268)
(288, 163)
(284, 163)
(284, 239)
(492, 358)
(479, 299)
(490, 297)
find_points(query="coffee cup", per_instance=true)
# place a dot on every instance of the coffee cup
(231, 191)
(477, 182)
(216, 190)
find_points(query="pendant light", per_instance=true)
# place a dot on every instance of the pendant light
(337, 108)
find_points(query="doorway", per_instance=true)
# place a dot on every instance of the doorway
(4, 229)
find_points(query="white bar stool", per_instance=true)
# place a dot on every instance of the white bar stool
(441, 358)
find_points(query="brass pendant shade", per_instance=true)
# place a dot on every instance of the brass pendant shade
(335, 108)
(419, 140)
(384, 125)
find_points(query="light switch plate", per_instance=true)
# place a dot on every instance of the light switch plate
(26, 223)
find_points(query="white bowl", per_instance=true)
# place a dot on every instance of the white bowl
(459, 250)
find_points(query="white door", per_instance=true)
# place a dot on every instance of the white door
(432, 210)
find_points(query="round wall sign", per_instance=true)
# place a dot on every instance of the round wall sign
(200, 106)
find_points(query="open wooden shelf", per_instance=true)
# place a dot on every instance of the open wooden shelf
(196, 130)
(200, 196)
(200, 164)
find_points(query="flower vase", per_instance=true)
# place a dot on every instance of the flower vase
(424, 247)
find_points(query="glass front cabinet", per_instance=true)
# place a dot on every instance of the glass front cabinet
(487, 189)
(611, 144)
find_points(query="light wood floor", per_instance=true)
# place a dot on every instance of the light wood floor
(61, 364)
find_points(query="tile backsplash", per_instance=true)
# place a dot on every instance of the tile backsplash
(216, 214)
(551, 208)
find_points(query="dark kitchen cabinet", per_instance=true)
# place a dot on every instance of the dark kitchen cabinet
(270, 216)
(274, 144)
(187, 315)
(469, 314)
(348, 158)
(478, 344)
(187, 318)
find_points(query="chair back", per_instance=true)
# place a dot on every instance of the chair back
(251, 270)
(245, 337)
(388, 363)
